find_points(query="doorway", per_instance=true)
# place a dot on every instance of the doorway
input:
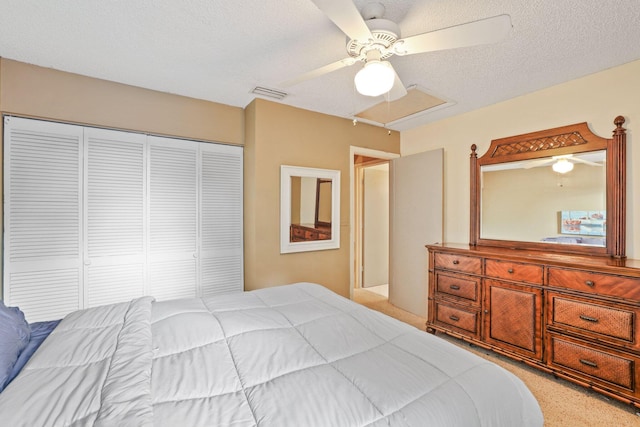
(415, 219)
(370, 219)
(374, 226)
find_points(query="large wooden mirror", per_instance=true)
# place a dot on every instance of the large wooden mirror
(558, 190)
(309, 209)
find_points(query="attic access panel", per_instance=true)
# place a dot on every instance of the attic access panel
(416, 101)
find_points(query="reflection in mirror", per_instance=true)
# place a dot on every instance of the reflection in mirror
(559, 199)
(323, 203)
(309, 209)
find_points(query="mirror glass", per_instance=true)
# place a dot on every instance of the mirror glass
(323, 203)
(309, 209)
(537, 200)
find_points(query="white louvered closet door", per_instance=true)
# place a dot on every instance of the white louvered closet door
(43, 217)
(95, 216)
(221, 250)
(173, 218)
(114, 244)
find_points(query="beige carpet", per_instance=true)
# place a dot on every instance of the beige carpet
(563, 403)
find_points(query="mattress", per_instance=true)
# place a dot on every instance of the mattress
(293, 355)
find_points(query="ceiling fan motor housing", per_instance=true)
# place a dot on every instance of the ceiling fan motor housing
(385, 33)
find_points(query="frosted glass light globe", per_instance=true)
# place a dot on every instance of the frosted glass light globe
(562, 166)
(375, 78)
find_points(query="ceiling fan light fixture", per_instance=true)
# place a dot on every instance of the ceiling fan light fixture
(375, 78)
(562, 166)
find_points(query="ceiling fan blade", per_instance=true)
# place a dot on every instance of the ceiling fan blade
(484, 31)
(397, 90)
(586, 162)
(319, 71)
(346, 16)
(537, 163)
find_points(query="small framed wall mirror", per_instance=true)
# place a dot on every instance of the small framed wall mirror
(309, 209)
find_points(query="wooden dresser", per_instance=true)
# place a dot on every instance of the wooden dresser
(576, 316)
(305, 233)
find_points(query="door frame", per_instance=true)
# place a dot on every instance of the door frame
(353, 197)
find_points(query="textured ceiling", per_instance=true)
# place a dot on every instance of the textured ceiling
(219, 50)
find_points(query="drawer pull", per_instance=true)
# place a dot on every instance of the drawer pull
(456, 262)
(454, 318)
(510, 270)
(454, 287)
(588, 318)
(590, 283)
(589, 363)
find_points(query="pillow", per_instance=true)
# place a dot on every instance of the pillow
(14, 337)
(39, 331)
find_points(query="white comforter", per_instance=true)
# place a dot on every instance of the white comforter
(295, 355)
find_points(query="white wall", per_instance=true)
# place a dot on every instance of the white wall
(596, 99)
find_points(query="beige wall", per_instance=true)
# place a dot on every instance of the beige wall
(281, 135)
(32, 91)
(596, 99)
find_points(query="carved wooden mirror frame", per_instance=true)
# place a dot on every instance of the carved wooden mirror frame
(576, 138)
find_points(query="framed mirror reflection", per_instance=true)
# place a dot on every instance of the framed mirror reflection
(309, 209)
(570, 194)
(558, 190)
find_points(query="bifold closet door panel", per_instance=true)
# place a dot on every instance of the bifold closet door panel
(173, 218)
(114, 207)
(42, 217)
(221, 247)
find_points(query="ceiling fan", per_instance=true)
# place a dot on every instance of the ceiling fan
(560, 164)
(373, 39)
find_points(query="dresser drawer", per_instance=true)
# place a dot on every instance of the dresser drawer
(521, 272)
(610, 367)
(457, 318)
(310, 235)
(466, 264)
(616, 323)
(597, 283)
(465, 287)
(297, 232)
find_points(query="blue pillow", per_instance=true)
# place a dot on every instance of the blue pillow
(14, 337)
(39, 331)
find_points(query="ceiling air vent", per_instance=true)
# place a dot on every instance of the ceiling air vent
(269, 93)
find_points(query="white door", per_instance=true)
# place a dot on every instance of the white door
(221, 247)
(173, 218)
(115, 189)
(416, 219)
(43, 217)
(375, 245)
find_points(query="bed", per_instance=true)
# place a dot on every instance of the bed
(292, 355)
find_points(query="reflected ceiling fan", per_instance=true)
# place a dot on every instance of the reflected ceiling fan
(373, 39)
(560, 164)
